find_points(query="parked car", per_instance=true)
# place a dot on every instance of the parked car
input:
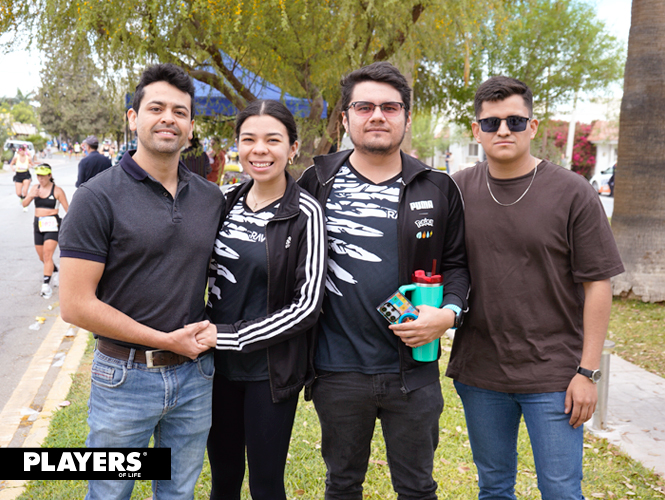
(600, 181)
(14, 144)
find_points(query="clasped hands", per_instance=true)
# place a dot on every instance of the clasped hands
(193, 339)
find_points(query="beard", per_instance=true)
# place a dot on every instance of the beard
(165, 147)
(378, 149)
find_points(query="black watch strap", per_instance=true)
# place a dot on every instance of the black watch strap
(459, 314)
(593, 375)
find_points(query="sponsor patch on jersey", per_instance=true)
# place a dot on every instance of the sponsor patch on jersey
(421, 205)
(422, 235)
(425, 223)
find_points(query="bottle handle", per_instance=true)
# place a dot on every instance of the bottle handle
(407, 288)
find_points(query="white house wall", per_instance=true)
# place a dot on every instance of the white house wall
(605, 156)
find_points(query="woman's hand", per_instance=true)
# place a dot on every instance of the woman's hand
(183, 340)
(207, 336)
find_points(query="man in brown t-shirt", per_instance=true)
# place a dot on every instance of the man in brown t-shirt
(541, 255)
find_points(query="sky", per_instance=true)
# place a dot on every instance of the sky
(21, 68)
(616, 14)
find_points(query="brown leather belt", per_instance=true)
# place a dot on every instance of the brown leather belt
(154, 358)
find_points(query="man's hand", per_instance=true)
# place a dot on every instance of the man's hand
(184, 341)
(581, 398)
(207, 336)
(430, 325)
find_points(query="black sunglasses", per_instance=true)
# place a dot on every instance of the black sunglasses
(515, 123)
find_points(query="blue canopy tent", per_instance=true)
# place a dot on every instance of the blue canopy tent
(210, 101)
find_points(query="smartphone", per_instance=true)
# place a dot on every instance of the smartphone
(397, 309)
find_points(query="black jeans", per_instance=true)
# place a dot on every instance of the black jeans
(243, 414)
(348, 405)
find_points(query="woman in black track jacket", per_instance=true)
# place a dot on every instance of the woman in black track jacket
(266, 284)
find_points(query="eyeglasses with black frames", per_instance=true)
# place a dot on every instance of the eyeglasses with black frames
(514, 123)
(365, 108)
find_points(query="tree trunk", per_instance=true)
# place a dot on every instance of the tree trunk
(638, 220)
(406, 67)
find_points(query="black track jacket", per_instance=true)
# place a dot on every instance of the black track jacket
(424, 194)
(296, 249)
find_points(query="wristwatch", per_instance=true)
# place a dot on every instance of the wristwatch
(459, 314)
(593, 375)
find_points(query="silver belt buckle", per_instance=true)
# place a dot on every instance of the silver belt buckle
(148, 358)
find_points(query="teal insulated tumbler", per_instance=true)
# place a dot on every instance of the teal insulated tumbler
(425, 290)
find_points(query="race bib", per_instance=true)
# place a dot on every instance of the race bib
(48, 224)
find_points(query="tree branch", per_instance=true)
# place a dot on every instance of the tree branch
(218, 83)
(400, 36)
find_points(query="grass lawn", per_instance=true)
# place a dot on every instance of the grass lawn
(636, 328)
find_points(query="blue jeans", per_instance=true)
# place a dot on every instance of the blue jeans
(493, 420)
(130, 402)
(348, 405)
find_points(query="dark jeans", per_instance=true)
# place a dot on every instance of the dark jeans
(348, 405)
(243, 414)
(493, 422)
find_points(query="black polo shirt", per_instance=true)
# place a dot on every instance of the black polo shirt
(155, 248)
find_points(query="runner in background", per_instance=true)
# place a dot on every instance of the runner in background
(47, 197)
(21, 164)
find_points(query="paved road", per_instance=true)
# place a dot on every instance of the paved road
(608, 204)
(21, 277)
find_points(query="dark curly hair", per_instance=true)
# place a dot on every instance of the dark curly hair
(169, 73)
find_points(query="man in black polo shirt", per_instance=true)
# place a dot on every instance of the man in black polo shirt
(92, 164)
(135, 249)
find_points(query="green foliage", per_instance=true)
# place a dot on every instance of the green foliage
(4, 131)
(22, 112)
(554, 46)
(73, 104)
(305, 46)
(6, 156)
(216, 126)
(426, 136)
(302, 46)
(38, 141)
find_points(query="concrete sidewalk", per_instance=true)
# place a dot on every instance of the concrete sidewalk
(636, 414)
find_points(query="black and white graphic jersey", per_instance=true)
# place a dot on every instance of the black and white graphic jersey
(361, 222)
(237, 285)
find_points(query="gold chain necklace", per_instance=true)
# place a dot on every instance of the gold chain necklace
(487, 180)
(256, 202)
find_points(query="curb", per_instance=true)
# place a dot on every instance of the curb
(10, 417)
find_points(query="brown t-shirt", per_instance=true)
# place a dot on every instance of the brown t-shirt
(523, 332)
